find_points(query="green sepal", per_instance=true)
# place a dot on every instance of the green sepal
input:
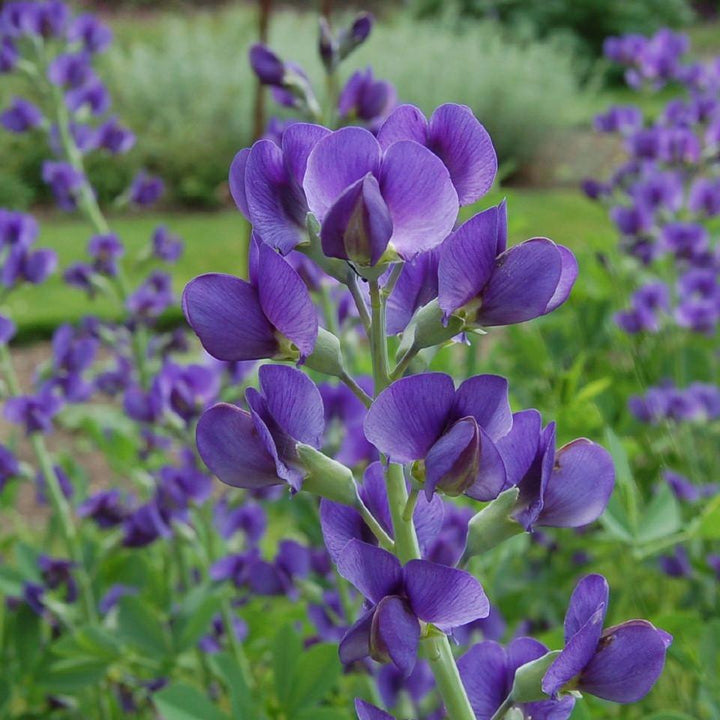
(527, 685)
(327, 477)
(493, 524)
(327, 355)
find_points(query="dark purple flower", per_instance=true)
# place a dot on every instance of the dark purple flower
(620, 664)
(88, 30)
(416, 287)
(619, 118)
(256, 449)
(366, 711)
(106, 508)
(7, 330)
(399, 200)
(398, 599)
(105, 251)
(488, 670)
(145, 525)
(21, 116)
(569, 487)
(423, 418)
(114, 138)
(659, 191)
(17, 229)
(211, 643)
(272, 316)
(676, 565)
(34, 412)
(145, 189)
(9, 466)
(56, 572)
(487, 285)
(365, 100)
(80, 275)
(64, 483)
(64, 180)
(166, 246)
(266, 184)
(713, 562)
(153, 297)
(249, 518)
(8, 55)
(685, 491)
(91, 94)
(455, 135)
(268, 67)
(70, 70)
(687, 241)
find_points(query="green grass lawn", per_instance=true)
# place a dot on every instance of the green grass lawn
(217, 241)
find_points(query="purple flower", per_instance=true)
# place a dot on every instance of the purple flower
(80, 275)
(676, 565)
(111, 598)
(70, 70)
(64, 180)
(619, 118)
(687, 241)
(365, 100)
(165, 245)
(685, 491)
(569, 487)
(272, 316)
(488, 670)
(366, 711)
(17, 228)
(257, 449)
(21, 116)
(153, 297)
(8, 55)
(370, 200)
(268, 67)
(91, 94)
(9, 466)
(398, 598)
(34, 412)
(114, 138)
(22, 265)
(145, 525)
(704, 197)
(620, 663)
(250, 518)
(480, 280)
(145, 189)
(189, 389)
(7, 330)
(56, 572)
(64, 483)
(106, 508)
(211, 643)
(88, 30)
(417, 685)
(266, 184)
(105, 251)
(453, 432)
(454, 134)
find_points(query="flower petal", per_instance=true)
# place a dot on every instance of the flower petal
(229, 446)
(485, 397)
(522, 284)
(520, 445)
(628, 662)
(483, 670)
(444, 596)
(464, 145)
(236, 181)
(365, 711)
(395, 634)
(579, 486)
(420, 196)
(590, 595)
(285, 300)
(568, 275)
(408, 417)
(467, 260)
(373, 571)
(491, 474)
(226, 314)
(416, 286)
(294, 402)
(405, 122)
(275, 201)
(452, 462)
(355, 644)
(335, 163)
(340, 524)
(523, 650)
(298, 141)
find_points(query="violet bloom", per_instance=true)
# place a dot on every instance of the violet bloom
(9, 466)
(487, 284)
(114, 138)
(65, 182)
(105, 251)
(88, 30)
(91, 94)
(257, 449)
(70, 70)
(80, 275)
(619, 118)
(145, 189)
(272, 316)
(365, 100)
(266, 184)
(454, 134)
(341, 524)
(620, 663)
(17, 228)
(106, 508)
(686, 491)
(452, 432)
(7, 330)
(687, 241)
(378, 202)
(21, 116)
(416, 686)
(145, 525)
(268, 67)
(399, 598)
(8, 55)
(249, 518)
(22, 265)
(34, 412)
(569, 487)
(212, 642)
(676, 565)
(153, 297)
(488, 670)
(56, 572)
(166, 246)
(366, 711)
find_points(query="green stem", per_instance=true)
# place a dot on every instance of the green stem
(406, 543)
(503, 709)
(364, 398)
(404, 363)
(383, 538)
(354, 288)
(378, 339)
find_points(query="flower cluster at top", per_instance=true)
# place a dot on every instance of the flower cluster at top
(371, 221)
(663, 197)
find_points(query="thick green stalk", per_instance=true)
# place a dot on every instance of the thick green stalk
(378, 339)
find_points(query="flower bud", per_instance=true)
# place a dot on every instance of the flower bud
(326, 357)
(426, 329)
(493, 524)
(327, 46)
(327, 477)
(355, 35)
(527, 686)
(269, 68)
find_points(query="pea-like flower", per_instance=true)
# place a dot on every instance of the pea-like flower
(257, 448)
(449, 434)
(620, 663)
(399, 599)
(270, 316)
(487, 284)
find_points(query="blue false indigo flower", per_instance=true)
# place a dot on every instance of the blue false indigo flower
(249, 518)
(487, 284)
(70, 70)
(7, 330)
(114, 138)
(257, 449)
(21, 116)
(366, 711)
(391, 683)
(88, 30)
(80, 275)
(34, 412)
(455, 135)
(166, 246)
(450, 434)
(64, 181)
(91, 94)
(153, 297)
(268, 67)
(399, 599)
(9, 466)
(397, 200)
(366, 101)
(145, 525)
(105, 251)
(212, 642)
(676, 565)
(8, 55)
(704, 196)
(266, 184)
(685, 491)
(106, 508)
(55, 573)
(63, 480)
(22, 265)
(620, 663)
(17, 229)
(272, 316)
(145, 189)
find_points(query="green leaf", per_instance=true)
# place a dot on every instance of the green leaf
(11, 582)
(287, 649)
(625, 483)
(90, 641)
(230, 673)
(615, 520)
(661, 516)
(141, 627)
(592, 389)
(27, 636)
(709, 527)
(71, 674)
(182, 702)
(313, 677)
(321, 714)
(194, 618)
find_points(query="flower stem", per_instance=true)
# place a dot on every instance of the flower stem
(383, 538)
(364, 398)
(378, 339)
(354, 288)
